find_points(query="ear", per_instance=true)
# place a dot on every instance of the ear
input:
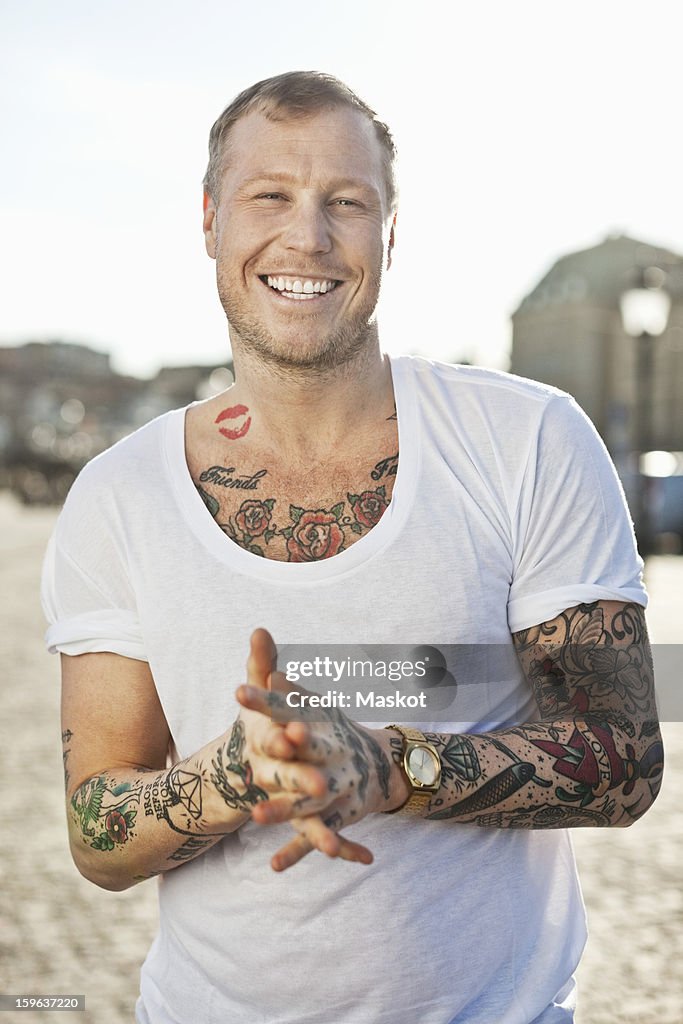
(209, 225)
(392, 240)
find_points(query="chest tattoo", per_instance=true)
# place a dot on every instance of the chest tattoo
(300, 534)
(224, 476)
(385, 467)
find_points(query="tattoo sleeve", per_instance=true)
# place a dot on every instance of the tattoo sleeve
(130, 824)
(595, 756)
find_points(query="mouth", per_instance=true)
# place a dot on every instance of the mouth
(300, 289)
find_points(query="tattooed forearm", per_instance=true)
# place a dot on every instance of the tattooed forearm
(583, 771)
(490, 793)
(596, 756)
(125, 824)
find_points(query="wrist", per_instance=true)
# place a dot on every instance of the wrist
(231, 790)
(399, 789)
(419, 763)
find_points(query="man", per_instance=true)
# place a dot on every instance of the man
(388, 502)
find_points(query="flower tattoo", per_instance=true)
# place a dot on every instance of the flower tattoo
(315, 535)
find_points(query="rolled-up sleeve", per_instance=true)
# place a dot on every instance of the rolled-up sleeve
(575, 540)
(86, 591)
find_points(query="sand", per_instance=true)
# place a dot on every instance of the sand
(59, 934)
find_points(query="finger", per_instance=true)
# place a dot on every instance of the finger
(298, 733)
(287, 739)
(262, 660)
(284, 807)
(290, 854)
(277, 744)
(324, 836)
(257, 698)
(311, 741)
(293, 778)
(301, 845)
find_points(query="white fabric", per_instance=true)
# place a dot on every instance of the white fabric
(505, 511)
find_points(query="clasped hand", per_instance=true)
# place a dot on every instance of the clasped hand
(320, 774)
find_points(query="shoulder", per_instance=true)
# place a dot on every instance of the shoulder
(476, 380)
(124, 473)
(493, 403)
(136, 449)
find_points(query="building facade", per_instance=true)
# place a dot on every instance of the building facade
(568, 332)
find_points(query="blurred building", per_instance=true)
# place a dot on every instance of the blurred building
(568, 332)
(61, 404)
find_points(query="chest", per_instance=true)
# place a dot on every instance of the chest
(296, 510)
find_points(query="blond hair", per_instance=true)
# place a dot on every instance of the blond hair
(296, 94)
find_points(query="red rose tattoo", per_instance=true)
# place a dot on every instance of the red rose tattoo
(368, 507)
(253, 518)
(116, 827)
(316, 534)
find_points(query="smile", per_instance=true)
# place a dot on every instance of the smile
(300, 288)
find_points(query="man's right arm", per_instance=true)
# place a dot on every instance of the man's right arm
(130, 816)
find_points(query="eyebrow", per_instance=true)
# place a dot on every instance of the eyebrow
(287, 178)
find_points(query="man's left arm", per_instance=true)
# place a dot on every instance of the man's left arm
(594, 756)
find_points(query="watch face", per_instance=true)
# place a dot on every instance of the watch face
(423, 765)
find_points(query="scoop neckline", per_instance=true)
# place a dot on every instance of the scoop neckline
(224, 550)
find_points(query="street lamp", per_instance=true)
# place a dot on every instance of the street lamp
(645, 312)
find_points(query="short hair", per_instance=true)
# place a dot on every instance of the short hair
(295, 94)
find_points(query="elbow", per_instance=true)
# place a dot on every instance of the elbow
(101, 876)
(637, 808)
(649, 773)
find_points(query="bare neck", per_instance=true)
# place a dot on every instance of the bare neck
(303, 412)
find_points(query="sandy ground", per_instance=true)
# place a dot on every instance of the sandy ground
(59, 934)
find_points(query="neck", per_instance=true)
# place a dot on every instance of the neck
(302, 411)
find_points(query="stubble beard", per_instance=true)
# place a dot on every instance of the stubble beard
(329, 351)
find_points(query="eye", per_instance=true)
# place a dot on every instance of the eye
(270, 195)
(344, 202)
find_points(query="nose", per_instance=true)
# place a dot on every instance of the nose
(308, 228)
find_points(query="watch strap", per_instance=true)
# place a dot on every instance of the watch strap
(417, 799)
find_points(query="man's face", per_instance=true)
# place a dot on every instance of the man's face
(300, 236)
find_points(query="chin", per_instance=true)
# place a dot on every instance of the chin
(339, 347)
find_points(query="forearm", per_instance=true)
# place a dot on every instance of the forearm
(568, 772)
(128, 824)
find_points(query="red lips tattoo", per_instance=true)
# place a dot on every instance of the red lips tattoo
(235, 412)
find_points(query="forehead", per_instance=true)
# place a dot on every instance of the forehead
(338, 143)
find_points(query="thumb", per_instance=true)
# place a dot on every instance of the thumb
(262, 660)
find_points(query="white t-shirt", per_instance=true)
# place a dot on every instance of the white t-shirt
(505, 511)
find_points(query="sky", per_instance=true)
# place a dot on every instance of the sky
(525, 130)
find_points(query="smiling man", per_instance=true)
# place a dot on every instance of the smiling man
(297, 228)
(389, 502)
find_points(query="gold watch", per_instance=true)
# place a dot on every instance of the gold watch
(421, 766)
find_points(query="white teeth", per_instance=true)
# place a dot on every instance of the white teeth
(295, 286)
